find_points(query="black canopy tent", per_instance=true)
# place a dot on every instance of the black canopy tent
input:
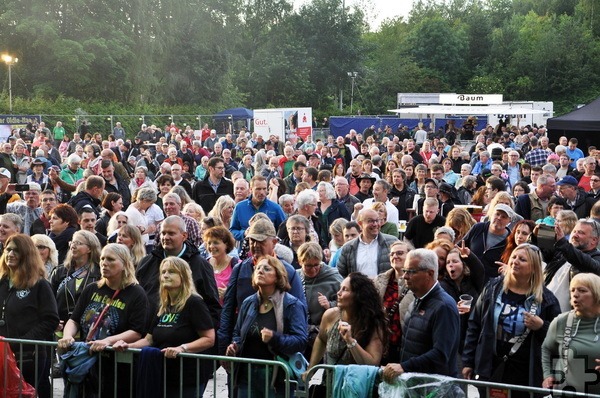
(582, 123)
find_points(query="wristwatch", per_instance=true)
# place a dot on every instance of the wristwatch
(184, 347)
(351, 345)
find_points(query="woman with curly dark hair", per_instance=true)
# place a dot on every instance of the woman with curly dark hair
(519, 235)
(354, 332)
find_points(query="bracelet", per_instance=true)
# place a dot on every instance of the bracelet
(184, 347)
(351, 345)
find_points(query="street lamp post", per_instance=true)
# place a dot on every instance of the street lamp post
(10, 61)
(353, 76)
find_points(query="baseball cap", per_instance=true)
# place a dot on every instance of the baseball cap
(261, 230)
(568, 180)
(5, 173)
(486, 173)
(506, 209)
(432, 180)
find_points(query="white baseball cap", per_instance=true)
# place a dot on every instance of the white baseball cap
(5, 173)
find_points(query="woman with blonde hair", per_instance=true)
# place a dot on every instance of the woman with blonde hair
(131, 237)
(48, 251)
(386, 227)
(223, 209)
(461, 221)
(524, 310)
(195, 211)
(81, 267)
(110, 310)
(117, 220)
(183, 325)
(571, 346)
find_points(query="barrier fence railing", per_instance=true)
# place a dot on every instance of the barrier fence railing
(489, 389)
(121, 365)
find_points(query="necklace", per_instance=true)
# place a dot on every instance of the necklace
(218, 268)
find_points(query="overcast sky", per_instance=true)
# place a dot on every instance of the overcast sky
(376, 10)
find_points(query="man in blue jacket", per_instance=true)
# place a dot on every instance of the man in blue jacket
(256, 203)
(263, 239)
(432, 331)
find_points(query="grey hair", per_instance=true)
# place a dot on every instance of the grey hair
(177, 221)
(549, 169)
(428, 260)
(329, 191)
(16, 219)
(174, 196)
(485, 153)
(384, 184)
(142, 168)
(305, 197)
(468, 181)
(445, 230)
(543, 180)
(147, 194)
(300, 220)
(285, 198)
(467, 166)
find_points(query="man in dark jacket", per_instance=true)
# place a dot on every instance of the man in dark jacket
(578, 254)
(90, 196)
(401, 195)
(432, 331)
(576, 198)
(207, 191)
(174, 242)
(114, 182)
(487, 240)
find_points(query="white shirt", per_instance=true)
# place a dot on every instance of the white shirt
(366, 257)
(138, 219)
(392, 211)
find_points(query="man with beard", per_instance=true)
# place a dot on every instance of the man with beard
(401, 195)
(577, 254)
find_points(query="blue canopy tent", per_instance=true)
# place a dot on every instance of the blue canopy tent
(236, 116)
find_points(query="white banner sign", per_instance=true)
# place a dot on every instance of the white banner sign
(471, 99)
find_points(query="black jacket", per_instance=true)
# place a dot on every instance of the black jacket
(476, 240)
(480, 343)
(431, 335)
(123, 189)
(206, 197)
(83, 199)
(406, 199)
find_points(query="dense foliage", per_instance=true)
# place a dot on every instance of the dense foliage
(206, 55)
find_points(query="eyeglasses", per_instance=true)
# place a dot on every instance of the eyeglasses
(296, 229)
(40, 247)
(411, 272)
(594, 179)
(398, 253)
(76, 243)
(371, 221)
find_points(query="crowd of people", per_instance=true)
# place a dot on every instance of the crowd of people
(410, 250)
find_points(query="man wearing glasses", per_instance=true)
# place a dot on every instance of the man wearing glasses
(369, 253)
(594, 192)
(432, 331)
(214, 185)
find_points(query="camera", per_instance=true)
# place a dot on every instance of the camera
(546, 237)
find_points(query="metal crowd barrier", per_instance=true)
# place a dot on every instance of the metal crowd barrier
(214, 387)
(492, 390)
